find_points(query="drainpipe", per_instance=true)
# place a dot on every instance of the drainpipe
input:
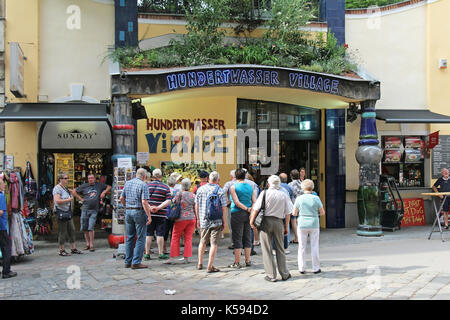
(369, 155)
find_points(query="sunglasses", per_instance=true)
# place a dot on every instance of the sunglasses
(65, 178)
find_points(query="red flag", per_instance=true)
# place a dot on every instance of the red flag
(433, 140)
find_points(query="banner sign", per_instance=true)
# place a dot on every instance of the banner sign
(414, 212)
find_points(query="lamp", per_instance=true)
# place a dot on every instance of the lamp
(138, 110)
(352, 112)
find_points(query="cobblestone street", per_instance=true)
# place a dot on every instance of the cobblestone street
(400, 265)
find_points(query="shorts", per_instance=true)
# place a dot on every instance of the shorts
(213, 234)
(446, 205)
(158, 224)
(88, 219)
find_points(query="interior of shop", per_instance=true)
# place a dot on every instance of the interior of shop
(299, 136)
(78, 165)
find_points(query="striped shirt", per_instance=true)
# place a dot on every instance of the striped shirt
(278, 204)
(159, 192)
(134, 192)
(200, 198)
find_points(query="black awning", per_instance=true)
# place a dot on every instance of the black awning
(55, 112)
(411, 116)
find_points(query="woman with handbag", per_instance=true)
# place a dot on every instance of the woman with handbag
(63, 210)
(184, 224)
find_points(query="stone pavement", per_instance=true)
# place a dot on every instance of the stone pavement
(399, 265)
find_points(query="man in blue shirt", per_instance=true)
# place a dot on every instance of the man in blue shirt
(5, 243)
(290, 193)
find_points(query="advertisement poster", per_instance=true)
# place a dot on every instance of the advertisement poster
(187, 170)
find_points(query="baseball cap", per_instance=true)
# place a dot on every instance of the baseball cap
(203, 174)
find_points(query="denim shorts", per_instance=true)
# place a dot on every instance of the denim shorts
(88, 219)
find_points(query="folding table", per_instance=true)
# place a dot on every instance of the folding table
(437, 194)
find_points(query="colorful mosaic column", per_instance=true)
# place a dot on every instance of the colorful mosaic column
(369, 155)
(123, 141)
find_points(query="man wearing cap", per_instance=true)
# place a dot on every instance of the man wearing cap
(203, 180)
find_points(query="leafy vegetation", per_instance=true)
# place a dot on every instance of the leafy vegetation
(358, 4)
(282, 44)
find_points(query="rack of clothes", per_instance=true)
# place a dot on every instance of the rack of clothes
(20, 195)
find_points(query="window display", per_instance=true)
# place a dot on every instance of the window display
(403, 159)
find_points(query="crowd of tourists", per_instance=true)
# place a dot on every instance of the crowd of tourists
(176, 210)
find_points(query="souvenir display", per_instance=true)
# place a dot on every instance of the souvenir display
(121, 176)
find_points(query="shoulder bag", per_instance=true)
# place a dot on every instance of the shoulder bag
(175, 207)
(260, 217)
(64, 215)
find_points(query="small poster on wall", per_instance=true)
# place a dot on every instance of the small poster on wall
(9, 162)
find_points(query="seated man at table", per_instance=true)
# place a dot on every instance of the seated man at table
(443, 183)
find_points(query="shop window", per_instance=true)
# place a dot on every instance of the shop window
(403, 159)
(243, 117)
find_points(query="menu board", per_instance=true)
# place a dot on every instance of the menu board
(440, 156)
(64, 163)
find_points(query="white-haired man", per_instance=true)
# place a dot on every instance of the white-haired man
(278, 208)
(443, 183)
(210, 228)
(137, 215)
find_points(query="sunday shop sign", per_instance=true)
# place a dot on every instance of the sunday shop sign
(414, 212)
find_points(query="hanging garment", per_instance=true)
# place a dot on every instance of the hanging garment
(27, 236)
(14, 190)
(15, 232)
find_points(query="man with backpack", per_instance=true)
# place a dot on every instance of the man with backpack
(211, 212)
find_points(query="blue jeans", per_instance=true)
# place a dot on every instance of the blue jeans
(135, 221)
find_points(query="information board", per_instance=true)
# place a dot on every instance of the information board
(440, 156)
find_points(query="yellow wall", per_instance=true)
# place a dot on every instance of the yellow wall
(22, 25)
(222, 108)
(438, 47)
(72, 55)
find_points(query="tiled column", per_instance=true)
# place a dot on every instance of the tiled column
(123, 147)
(369, 155)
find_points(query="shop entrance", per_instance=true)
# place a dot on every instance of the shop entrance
(296, 154)
(78, 165)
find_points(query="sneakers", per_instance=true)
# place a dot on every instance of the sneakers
(267, 278)
(287, 251)
(147, 257)
(318, 271)
(163, 257)
(234, 265)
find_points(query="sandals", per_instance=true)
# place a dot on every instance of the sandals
(76, 251)
(87, 248)
(91, 249)
(199, 267)
(64, 253)
(213, 269)
(248, 263)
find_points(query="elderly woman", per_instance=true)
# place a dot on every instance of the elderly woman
(278, 208)
(308, 208)
(63, 201)
(184, 225)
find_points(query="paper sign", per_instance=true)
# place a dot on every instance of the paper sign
(142, 157)
(124, 163)
(9, 162)
(414, 214)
